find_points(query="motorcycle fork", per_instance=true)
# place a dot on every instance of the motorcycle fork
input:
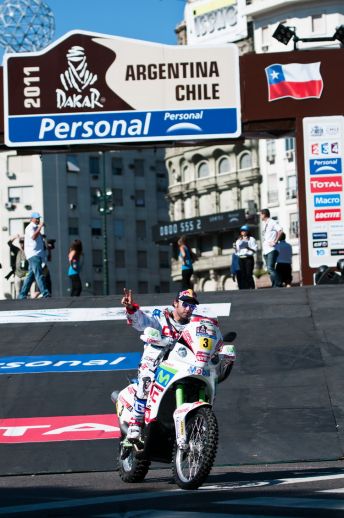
(180, 397)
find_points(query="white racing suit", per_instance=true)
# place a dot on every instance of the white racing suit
(169, 329)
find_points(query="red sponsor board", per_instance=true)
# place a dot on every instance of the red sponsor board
(60, 428)
(327, 215)
(327, 184)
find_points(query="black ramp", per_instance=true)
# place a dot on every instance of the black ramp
(283, 401)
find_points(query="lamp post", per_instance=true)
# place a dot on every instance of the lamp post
(105, 207)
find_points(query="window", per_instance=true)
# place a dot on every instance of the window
(224, 166)
(22, 195)
(245, 161)
(164, 259)
(117, 197)
(97, 287)
(96, 227)
(97, 258)
(203, 170)
(289, 144)
(164, 287)
(139, 167)
(118, 227)
(266, 39)
(120, 285)
(94, 162)
(119, 258)
(318, 23)
(294, 225)
(291, 187)
(72, 164)
(143, 287)
(94, 195)
(142, 259)
(73, 226)
(72, 196)
(270, 150)
(141, 232)
(140, 198)
(161, 170)
(116, 165)
(186, 173)
(272, 188)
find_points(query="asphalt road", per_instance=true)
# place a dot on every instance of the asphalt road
(278, 490)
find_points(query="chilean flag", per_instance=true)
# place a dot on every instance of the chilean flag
(296, 80)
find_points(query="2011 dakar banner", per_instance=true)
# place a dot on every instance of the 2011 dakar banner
(93, 88)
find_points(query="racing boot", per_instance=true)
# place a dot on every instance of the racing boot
(136, 422)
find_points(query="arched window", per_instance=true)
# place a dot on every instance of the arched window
(203, 170)
(224, 165)
(186, 173)
(245, 161)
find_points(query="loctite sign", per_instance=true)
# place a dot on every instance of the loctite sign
(92, 88)
(324, 149)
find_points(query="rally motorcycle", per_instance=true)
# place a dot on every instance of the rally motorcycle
(179, 425)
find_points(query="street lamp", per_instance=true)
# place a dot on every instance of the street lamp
(284, 34)
(105, 207)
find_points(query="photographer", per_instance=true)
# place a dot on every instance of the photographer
(19, 263)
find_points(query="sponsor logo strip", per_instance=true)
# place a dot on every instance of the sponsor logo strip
(69, 363)
(326, 184)
(60, 428)
(327, 215)
(92, 314)
(325, 166)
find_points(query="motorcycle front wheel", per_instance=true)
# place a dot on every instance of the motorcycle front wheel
(131, 467)
(192, 466)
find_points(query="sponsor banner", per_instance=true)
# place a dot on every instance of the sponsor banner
(86, 88)
(325, 184)
(324, 153)
(60, 428)
(329, 200)
(215, 21)
(69, 363)
(325, 166)
(93, 314)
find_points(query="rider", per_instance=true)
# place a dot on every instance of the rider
(170, 322)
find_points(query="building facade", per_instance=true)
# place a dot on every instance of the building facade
(65, 189)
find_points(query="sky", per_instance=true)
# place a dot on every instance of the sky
(150, 20)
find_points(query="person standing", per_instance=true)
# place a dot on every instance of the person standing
(19, 263)
(74, 258)
(284, 260)
(35, 254)
(235, 268)
(187, 257)
(246, 247)
(271, 233)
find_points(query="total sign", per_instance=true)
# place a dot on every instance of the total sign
(91, 88)
(324, 157)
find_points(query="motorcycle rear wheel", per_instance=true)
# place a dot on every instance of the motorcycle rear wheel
(191, 467)
(132, 468)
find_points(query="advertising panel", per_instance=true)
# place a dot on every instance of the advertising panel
(215, 21)
(324, 153)
(89, 88)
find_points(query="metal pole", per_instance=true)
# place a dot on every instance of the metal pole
(105, 246)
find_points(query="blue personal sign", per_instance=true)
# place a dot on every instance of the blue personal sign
(69, 363)
(92, 88)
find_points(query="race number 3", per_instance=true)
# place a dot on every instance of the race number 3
(205, 343)
(32, 91)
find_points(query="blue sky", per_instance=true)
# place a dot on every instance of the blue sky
(150, 20)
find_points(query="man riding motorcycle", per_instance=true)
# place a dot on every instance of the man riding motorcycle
(170, 322)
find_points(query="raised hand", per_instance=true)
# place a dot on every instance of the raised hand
(127, 299)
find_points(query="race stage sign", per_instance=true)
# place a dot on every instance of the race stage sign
(89, 88)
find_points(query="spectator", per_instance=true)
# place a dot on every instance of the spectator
(187, 257)
(35, 254)
(246, 247)
(284, 260)
(19, 263)
(74, 258)
(270, 235)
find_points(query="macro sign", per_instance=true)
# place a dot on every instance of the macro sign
(89, 88)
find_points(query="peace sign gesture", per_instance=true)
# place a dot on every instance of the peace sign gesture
(127, 299)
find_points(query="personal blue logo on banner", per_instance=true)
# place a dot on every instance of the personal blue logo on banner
(69, 363)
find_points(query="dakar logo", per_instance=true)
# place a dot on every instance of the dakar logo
(77, 77)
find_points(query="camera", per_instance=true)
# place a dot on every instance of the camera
(51, 243)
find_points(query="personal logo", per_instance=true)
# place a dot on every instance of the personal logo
(78, 80)
(325, 166)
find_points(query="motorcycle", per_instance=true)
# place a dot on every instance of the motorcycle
(179, 425)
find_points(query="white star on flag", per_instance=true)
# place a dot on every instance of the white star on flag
(274, 74)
